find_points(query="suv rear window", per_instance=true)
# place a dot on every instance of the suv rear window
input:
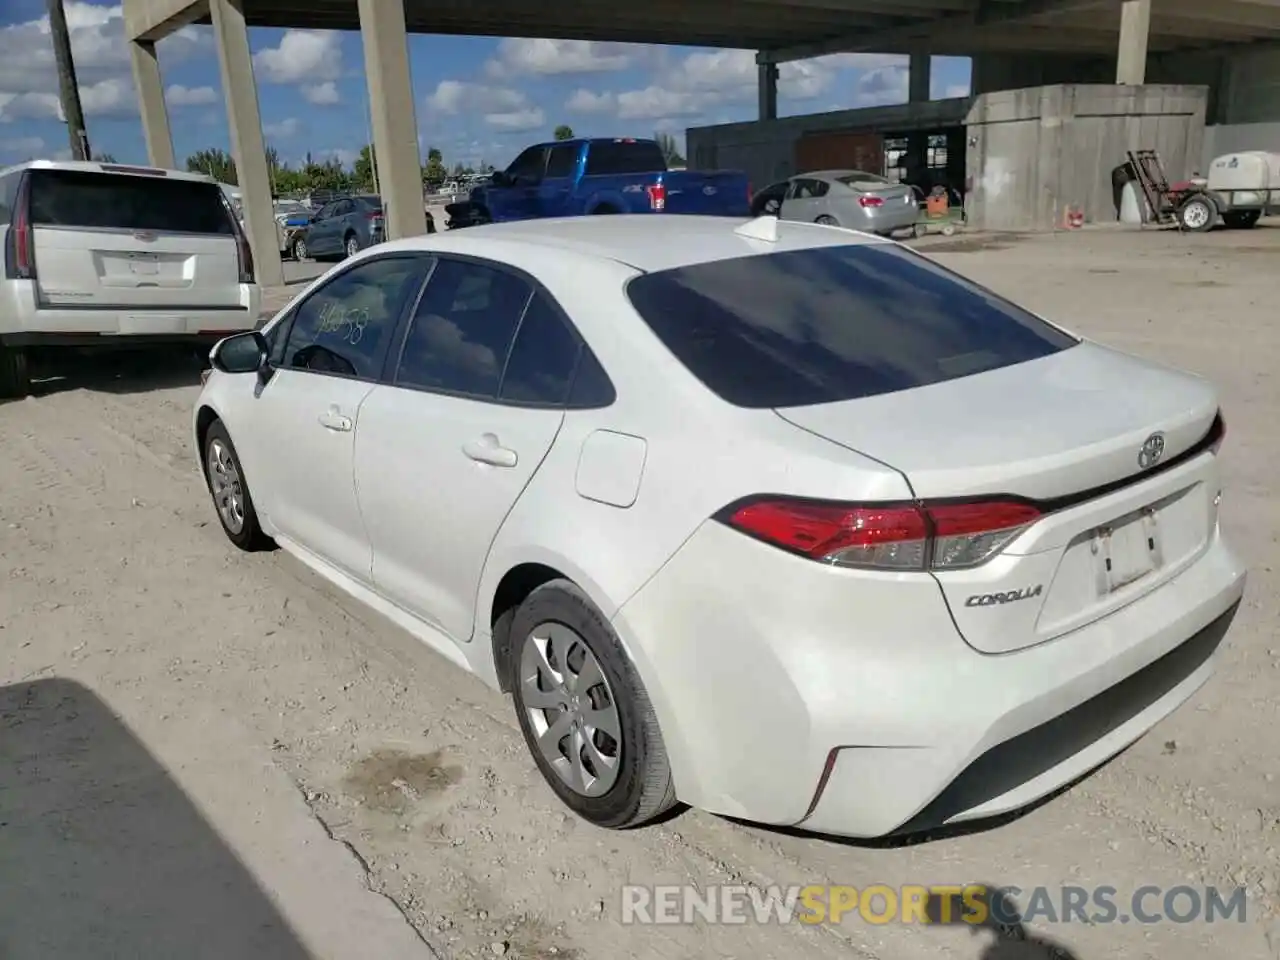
(74, 198)
(605, 157)
(833, 323)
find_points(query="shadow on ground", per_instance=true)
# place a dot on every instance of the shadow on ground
(103, 854)
(117, 371)
(994, 917)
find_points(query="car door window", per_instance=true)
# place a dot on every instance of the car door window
(344, 328)
(819, 188)
(529, 165)
(462, 329)
(562, 160)
(793, 190)
(543, 357)
(325, 212)
(341, 208)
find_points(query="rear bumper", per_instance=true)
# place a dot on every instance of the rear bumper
(846, 703)
(889, 219)
(26, 322)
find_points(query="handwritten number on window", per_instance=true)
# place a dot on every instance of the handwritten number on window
(348, 324)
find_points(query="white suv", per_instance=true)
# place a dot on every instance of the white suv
(97, 255)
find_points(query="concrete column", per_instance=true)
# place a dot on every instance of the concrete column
(1135, 29)
(919, 78)
(155, 116)
(768, 84)
(247, 147)
(395, 125)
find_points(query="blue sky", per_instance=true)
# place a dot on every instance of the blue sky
(477, 98)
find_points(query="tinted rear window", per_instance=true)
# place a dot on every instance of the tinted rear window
(858, 178)
(71, 198)
(833, 323)
(612, 157)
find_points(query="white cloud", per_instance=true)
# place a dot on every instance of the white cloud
(179, 96)
(517, 121)
(882, 86)
(587, 101)
(519, 55)
(455, 96)
(28, 72)
(21, 146)
(283, 129)
(321, 94)
(704, 81)
(301, 57)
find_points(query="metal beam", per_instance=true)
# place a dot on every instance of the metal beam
(919, 34)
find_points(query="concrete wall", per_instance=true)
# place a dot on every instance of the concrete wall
(156, 19)
(1034, 152)
(1235, 137)
(766, 149)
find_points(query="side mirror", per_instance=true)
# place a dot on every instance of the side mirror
(241, 353)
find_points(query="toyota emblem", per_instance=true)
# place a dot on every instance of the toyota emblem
(1152, 451)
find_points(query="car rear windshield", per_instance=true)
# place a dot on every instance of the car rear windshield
(624, 156)
(74, 198)
(833, 323)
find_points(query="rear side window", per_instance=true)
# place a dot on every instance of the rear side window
(74, 198)
(543, 357)
(622, 156)
(833, 323)
(561, 160)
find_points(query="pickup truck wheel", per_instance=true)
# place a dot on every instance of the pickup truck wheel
(15, 376)
(602, 211)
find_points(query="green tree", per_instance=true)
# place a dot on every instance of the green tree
(364, 167)
(564, 132)
(434, 171)
(215, 163)
(670, 149)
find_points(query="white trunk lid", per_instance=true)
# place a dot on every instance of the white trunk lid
(1066, 431)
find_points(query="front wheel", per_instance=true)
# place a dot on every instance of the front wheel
(1242, 219)
(1197, 215)
(15, 374)
(231, 498)
(352, 245)
(299, 249)
(584, 712)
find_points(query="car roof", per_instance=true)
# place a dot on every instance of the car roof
(836, 174)
(90, 166)
(646, 242)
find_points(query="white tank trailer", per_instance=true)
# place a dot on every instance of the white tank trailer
(1240, 189)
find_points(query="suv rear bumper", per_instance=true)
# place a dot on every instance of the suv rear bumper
(101, 341)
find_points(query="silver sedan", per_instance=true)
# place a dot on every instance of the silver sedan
(845, 198)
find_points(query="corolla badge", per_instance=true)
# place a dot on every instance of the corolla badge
(1152, 451)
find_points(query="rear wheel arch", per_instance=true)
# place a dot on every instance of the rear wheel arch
(512, 590)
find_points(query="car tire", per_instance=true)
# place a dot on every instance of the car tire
(558, 627)
(15, 373)
(827, 221)
(1197, 215)
(351, 245)
(298, 249)
(232, 501)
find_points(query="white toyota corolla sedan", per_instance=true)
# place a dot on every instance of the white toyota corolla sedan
(779, 520)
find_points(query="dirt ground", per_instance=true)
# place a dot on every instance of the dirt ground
(204, 753)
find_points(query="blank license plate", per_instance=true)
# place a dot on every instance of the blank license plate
(1127, 552)
(144, 265)
(152, 323)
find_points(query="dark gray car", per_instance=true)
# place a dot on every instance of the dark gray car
(341, 228)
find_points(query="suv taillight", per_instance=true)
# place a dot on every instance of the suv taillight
(244, 254)
(892, 537)
(657, 196)
(19, 252)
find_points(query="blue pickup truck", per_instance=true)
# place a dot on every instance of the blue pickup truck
(571, 178)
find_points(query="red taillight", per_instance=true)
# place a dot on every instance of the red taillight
(20, 262)
(867, 200)
(374, 215)
(657, 196)
(899, 536)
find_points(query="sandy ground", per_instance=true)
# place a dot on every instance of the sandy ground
(207, 754)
